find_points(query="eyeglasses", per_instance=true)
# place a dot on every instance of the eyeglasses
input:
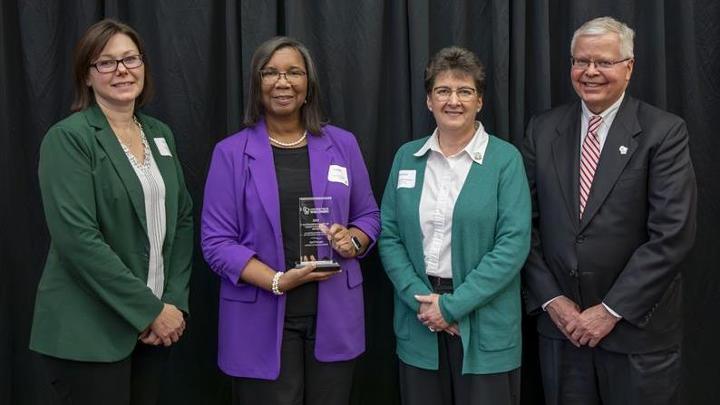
(111, 65)
(463, 93)
(583, 64)
(270, 76)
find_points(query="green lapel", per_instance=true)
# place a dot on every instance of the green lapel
(472, 197)
(474, 180)
(111, 145)
(412, 203)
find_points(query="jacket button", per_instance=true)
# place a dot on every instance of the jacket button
(574, 272)
(580, 239)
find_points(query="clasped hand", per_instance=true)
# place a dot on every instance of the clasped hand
(429, 314)
(588, 327)
(166, 329)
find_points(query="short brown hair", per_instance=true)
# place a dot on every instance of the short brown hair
(89, 47)
(311, 114)
(459, 59)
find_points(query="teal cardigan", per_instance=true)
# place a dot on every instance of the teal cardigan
(490, 241)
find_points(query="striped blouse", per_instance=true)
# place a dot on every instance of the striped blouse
(153, 188)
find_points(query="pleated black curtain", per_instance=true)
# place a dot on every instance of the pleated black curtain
(371, 55)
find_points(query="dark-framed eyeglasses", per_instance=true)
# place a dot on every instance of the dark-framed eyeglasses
(463, 93)
(582, 64)
(271, 76)
(111, 65)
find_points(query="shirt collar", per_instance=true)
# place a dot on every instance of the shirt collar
(475, 149)
(605, 114)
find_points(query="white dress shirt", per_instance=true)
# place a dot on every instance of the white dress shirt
(442, 183)
(608, 116)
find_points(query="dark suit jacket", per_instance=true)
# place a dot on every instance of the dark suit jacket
(638, 224)
(93, 301)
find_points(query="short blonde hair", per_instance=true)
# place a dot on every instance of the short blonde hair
(607, 25)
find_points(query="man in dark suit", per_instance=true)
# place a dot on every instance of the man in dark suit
(614, 199)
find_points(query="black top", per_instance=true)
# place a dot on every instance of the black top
(292, 167)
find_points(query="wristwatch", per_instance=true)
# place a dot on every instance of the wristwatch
(356, 244)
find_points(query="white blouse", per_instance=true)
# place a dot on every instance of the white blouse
(443, 181)
(153, 188)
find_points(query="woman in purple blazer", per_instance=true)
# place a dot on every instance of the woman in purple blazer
(286, 334)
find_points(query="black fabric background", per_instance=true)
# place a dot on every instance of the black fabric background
(371, 55)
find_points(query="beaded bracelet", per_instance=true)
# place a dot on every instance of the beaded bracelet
(276, 283)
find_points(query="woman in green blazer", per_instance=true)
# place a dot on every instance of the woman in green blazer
(115, 283)
(455, 233)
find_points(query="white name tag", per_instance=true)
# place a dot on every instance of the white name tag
(338, 174)
(162, 146)
(406, 179)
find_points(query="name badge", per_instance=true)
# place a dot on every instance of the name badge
(162, 146)
(406, 179)
(338, 174)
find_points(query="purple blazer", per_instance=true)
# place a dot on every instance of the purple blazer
(241, 220)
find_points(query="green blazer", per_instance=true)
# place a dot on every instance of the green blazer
(490, 241)
(92, 300)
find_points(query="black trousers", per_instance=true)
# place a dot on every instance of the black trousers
(448, 385)
(303, 379)
(593, 376)
(134, 380)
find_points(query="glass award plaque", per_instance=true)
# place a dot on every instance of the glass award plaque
(315, 217)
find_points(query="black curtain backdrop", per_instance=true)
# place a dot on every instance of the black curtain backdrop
(371, 55)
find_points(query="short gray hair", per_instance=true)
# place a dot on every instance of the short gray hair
(608, 25)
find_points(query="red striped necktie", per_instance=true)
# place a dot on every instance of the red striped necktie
(589, 157)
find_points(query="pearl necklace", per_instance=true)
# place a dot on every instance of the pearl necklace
(288, 144)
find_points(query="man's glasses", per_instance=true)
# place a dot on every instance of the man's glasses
(599, 64)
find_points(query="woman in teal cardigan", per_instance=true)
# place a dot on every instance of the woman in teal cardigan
(455, 234)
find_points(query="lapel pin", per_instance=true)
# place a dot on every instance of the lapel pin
(477, 156)
(623, 150)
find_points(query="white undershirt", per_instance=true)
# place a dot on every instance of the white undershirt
(442, 183)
